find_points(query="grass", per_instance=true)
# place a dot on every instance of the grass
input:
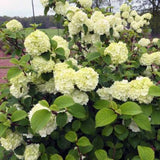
(50, 32)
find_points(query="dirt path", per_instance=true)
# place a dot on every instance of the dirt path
(4, 63)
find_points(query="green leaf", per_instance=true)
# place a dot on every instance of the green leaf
(130, 108)
(25, 58)
(86, 149)
(70, 157)
(85, 28)
(101, 104)
(154, 91)
(93, 56)
(44, 103)
(53, 44)
(101, 154)
(3, 117)
(64, 102)
(40, 119)
(76, 125)
(142, 121)
(71, 136)
(18, 115)
(88, 126)
(61, 53)
(46, 56)
(107, 131)
(84, 142)
(56, 157)
(14, 61)
(104, 117)
(46, 10)
(145, 153)
(155, 117)
(2, 129)
(77, 111)
(61, 119)
(13, 72)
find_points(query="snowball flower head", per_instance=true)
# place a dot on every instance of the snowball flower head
(80, 97)
(14, 25)
(124, 7)
(61, 8)
(37, 43)
(19, 86)
(44, 2)
(119, 90)
(155, 40)
(50, 126)
(11, 141)
(41, 65)
(101, 27)
(31, 152)
(86, 79)
(64, 78)
(144, 42)
(104, 93)
(63, 44)
(47, 87)
(148, 59)
(139, 90)
(71, 10)
(118, 52)
(85, 3)
(147, 16)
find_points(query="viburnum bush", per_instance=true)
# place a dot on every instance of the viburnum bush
(92, 94)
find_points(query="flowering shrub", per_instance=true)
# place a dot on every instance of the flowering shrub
(92, 94)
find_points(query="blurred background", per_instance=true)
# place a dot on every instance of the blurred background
(22, 11)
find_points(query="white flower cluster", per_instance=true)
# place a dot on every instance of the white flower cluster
(144, 42)
(19, 86)
(85, 3)
(80, 97)
(150, 70)
(104, 93)
(37, 43)
(61, 8)
(118, 52)
(86, 79)
(139, 88)
(132, 18)
(149, 59)
(155, 41)
(31, 152)
(63, 44)
(136, 90)
(47, 87)
(100, 23)
(40, 65)
(64, 78)
(11, 141)
(44, 2)
(14, 25)
(133, 126)
(50, 126)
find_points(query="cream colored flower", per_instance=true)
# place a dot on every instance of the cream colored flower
(14, 25)
(32, 152)
(11, 141)
(118, 52)
(37, 43)
(86, 79)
